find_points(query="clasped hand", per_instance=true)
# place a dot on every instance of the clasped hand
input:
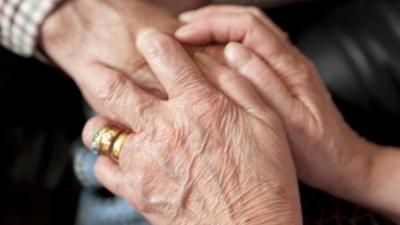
(210, 143)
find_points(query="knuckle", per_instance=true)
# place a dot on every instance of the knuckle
(228, 76)
(207, 104)
(225, 75)
(110, 88)
(257, 66)
(160, 46)
(145, 110)
(277, 50)
(250, 19)
(188, 79)
(235, 80)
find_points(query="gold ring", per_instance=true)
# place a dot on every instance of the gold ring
(118, 145)
(104, 139)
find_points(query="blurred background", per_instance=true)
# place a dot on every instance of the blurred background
(355, 44)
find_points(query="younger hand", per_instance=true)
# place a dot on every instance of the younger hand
(328, 154)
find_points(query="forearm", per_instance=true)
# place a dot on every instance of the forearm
(373, 181)
(384, 183)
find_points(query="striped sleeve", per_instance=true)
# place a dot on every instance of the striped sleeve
(20, 22)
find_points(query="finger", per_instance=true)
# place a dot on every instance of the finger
(234, 86)
(118, 136)
(91, 128)
(133, 184)
(267, 83)
(220, 28)
(110, 175)
(170, 62)
(141, 166)
(211, 10)
(107, 172)
(113, 95)
(283, 58)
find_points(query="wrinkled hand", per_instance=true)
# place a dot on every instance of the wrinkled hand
(328, 154)
(200, 157)
(92, 36)
(83, 34)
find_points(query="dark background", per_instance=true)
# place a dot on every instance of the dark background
(41, 112)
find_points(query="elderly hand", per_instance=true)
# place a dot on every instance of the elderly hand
(327, 153)
(85, 36)
(91, 36)
(200, 157)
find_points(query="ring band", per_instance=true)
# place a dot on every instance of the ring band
(118, 145)
(109, 141)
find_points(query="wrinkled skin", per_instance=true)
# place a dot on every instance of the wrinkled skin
(85, 36)
(201, 157)
(328, 154)
(289, 83)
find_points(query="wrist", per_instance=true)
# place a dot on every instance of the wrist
(58, 28)
(359, 180)
(372, 178)
(352, 176)
(383, 193)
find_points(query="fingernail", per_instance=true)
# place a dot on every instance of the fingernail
(186, 16)
(236, 54)
(143, 33)
(205, 61)
(183, 31)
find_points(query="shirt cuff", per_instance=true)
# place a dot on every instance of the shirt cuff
(20, 22)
